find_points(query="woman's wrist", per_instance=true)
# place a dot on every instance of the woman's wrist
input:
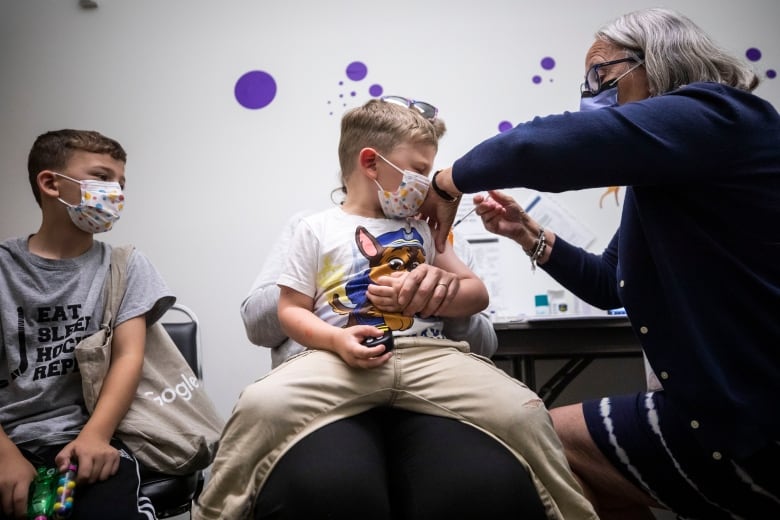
(528, 239)
(545, 254)
(442, 184)
(537, 245)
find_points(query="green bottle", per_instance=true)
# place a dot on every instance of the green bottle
(42, 494)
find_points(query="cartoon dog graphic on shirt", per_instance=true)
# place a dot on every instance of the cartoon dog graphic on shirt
(400, 250)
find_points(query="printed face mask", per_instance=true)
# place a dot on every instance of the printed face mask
(606, 98)
(101, 203)
(406, 200)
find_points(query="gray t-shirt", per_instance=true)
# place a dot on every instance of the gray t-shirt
(46, 307)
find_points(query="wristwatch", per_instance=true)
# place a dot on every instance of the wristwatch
(440, 192)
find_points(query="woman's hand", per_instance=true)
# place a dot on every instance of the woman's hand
(421, 291)
(502, 215)
(438, 212)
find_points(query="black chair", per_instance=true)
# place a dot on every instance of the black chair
(173, 495)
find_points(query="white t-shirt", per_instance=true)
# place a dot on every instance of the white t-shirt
(335, 256)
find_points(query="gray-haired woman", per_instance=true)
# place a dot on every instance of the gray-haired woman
(695, 262)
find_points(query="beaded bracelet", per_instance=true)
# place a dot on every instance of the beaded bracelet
(536, 252)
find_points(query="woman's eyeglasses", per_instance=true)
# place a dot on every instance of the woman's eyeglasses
(427, 110)
(593, 84)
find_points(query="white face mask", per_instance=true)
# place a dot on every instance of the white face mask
(100, 205)
(407, 199)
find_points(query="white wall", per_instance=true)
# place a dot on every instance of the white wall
(211, 182)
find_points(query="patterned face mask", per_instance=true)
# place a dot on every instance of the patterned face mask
(407, 199)
(101, 203)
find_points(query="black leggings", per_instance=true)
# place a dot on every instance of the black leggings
(393, 464)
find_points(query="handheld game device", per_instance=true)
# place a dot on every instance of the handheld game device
(385, 339)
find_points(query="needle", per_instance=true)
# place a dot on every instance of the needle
(472, 210)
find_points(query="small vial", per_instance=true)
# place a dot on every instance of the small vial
(542, 304)
(557, 301)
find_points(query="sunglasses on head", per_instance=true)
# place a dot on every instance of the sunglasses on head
(427, 110)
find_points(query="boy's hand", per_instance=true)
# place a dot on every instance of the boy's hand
(16, 476)
(348, 345)
(96, 458)
(420, 291)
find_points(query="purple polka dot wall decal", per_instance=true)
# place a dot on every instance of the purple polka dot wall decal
(357, 70)
(255, 89)
(753, 54)
(547, 63)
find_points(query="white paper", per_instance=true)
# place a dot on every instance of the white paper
(551, 214)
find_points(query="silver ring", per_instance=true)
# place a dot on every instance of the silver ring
(444, 284)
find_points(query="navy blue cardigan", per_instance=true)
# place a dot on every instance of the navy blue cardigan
(696, 260)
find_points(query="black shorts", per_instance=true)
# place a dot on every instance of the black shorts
(653, 448)
(117, 497)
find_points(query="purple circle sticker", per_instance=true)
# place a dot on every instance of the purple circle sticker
(255, 89)
(375, 90)
(503, 126)
(548, 63)
(753, 54)
(357, 70)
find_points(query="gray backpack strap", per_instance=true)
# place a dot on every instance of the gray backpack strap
(116, 282)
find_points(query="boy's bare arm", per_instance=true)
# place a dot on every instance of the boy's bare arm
(121, 382)
(468, 297)
(15, 478)
(305, 327)
(97, 459)
(301, 324)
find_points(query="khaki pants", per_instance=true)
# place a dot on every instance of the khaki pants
(436, 377)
